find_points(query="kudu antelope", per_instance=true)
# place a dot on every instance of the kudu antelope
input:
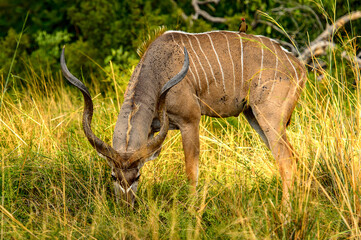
(227, 73)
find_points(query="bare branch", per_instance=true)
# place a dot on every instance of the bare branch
(208, 1)
(303, 7)
(317, 66)
(319, 45)
(199, 11)
(315, 50)
(332, 29)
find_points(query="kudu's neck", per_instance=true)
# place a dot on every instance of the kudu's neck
(162, 61)
(137, 112)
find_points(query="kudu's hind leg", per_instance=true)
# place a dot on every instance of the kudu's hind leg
(273, 125)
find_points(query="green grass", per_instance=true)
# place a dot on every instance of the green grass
(54, 185)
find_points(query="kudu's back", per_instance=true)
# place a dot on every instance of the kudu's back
(229, 70)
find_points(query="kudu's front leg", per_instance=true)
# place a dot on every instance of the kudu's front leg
(185, 112)
(190, 140)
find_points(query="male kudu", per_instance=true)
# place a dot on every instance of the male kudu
(228, 73)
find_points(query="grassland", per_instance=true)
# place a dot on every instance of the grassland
(54, 185)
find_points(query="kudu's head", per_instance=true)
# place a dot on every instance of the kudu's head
(125, 165)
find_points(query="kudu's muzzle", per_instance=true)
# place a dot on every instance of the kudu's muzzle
(125, 195)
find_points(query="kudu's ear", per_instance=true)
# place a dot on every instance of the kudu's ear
(155, 143)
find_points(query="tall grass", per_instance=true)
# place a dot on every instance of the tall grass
(53, 184)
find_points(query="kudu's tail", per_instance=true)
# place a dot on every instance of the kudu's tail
(104, 148)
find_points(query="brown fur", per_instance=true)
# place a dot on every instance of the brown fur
(217, 85)
(229, 73)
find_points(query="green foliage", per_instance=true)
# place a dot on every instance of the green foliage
(8, 46)
(125, 58)
(50, 43)
(47, 15)
(200, 26)
(102, 30)
(49, 48)
(97, 22)
(81, 59)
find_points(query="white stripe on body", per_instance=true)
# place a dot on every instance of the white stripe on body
(295, 89)
(220, 66)
(260, 73)
(200, 63)
(285, 51)
(190, 69)
(292, 66)
(276, 69)
(241, 62)
(271, 39)
(195, 68)
(210, 66)
(298, 78)
(242, 53)
(230, 55)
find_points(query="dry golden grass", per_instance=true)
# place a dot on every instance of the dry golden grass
(53, 184)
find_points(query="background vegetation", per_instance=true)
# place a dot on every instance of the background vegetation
(53, 184)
